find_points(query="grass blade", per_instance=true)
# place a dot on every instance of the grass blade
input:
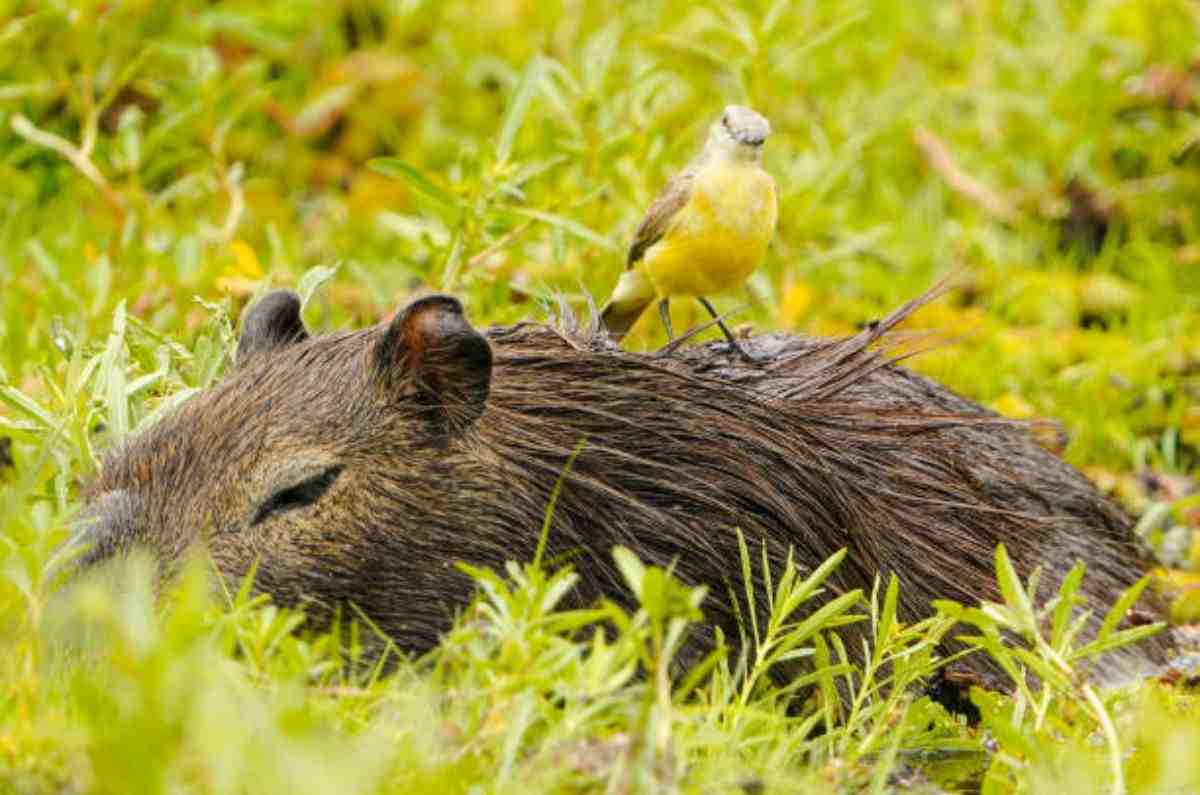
(527, 87)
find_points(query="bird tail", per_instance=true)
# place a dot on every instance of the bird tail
(630, 298)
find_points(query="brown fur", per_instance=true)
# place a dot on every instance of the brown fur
(409, 458)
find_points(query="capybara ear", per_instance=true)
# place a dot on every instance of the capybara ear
(431, 353)
(273, 322)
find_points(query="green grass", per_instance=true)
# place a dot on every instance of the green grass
(162, 162)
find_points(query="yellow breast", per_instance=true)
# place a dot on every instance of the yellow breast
(719, 237)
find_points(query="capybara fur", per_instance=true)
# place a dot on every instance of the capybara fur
(359, 467)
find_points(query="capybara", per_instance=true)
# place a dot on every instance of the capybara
(359, 467)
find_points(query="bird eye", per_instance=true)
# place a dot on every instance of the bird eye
(299, 495)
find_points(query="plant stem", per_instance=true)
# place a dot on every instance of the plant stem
(76, 156)
(1110, 735)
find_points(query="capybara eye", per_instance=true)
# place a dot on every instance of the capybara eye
(306, 492)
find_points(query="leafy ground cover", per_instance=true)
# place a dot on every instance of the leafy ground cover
(163, 162)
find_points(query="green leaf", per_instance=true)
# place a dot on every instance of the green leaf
(312, 279)
(49, 267)
(887, 622)
(1062, 611)
(1121, 607)
(1049, 672)
(765, 565)
(167, 405)
(700, 671)
(397, 168)
(748, 586)
(214, 345)
(825, 36)
(1115, 640)
(1015, 598)
(631, 569)
(654, 592)
(685, 45)
(112, 377)
(27, 406)
(568, 225)
(520, 718)
(831, 703)
(548, 516)
(527, 87)
(452, 265)
(821, 573)
(823, 617)
(1151, 518)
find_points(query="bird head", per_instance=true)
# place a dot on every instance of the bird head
(740, 132)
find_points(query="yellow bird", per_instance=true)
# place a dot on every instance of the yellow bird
(706, 232)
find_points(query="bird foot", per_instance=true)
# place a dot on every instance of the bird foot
(745, 355)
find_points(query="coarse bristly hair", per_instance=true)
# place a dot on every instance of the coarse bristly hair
(399, 450)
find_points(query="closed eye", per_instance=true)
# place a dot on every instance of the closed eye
(304, 493)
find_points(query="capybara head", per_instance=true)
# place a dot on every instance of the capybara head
(292, 461)
(360, 467)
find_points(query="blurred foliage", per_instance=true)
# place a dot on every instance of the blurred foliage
(163, 162)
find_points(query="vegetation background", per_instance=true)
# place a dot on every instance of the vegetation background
(162, 162)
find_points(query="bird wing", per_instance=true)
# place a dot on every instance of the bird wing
(662, 212)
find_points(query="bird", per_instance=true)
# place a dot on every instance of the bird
(705, 233)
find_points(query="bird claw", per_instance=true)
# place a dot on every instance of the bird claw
(745, 355)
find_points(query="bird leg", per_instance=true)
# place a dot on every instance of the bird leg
(664, 311)
(733, 343)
